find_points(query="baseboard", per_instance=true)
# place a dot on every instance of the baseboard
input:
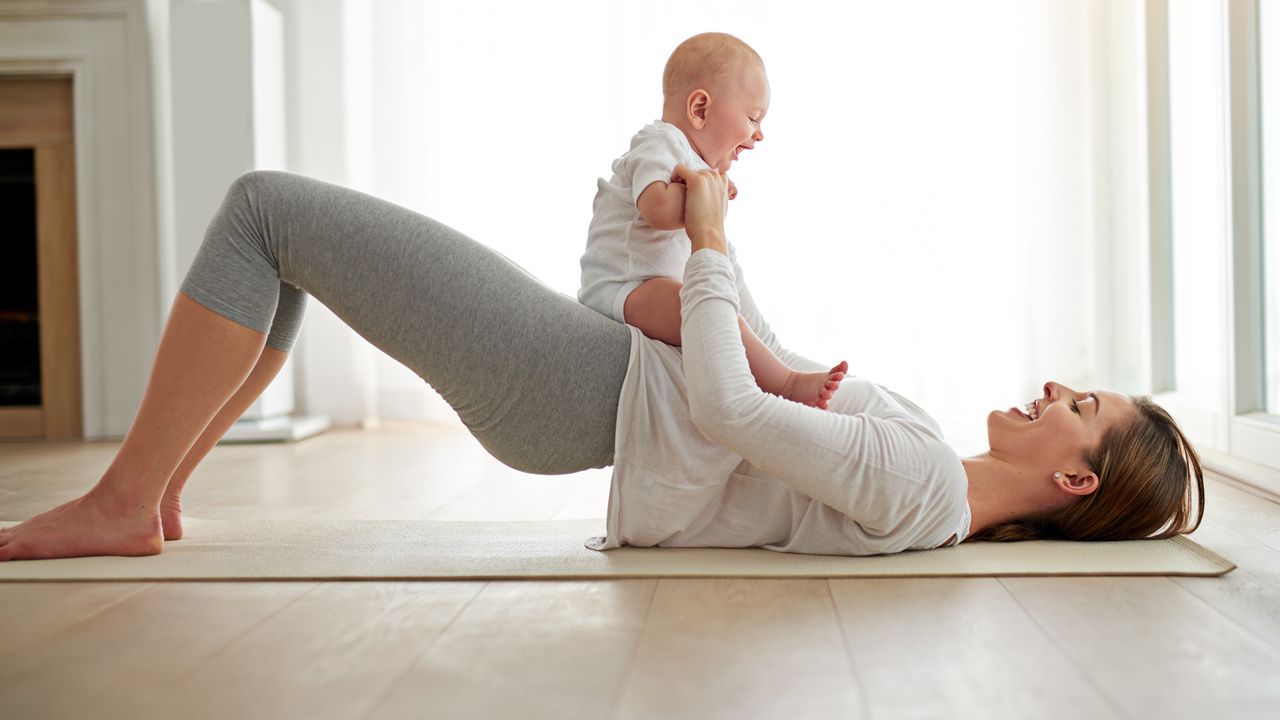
(287, 428)
(1255, 479)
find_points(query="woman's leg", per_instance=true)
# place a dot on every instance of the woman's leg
(534, 375)
(203, 358)
(284, 327)
(266, 369)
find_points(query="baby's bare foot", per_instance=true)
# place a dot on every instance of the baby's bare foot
(88, 525)
(814, 388)
(171, 517)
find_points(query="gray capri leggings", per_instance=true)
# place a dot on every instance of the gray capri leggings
(534, 375)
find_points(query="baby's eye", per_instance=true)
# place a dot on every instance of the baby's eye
(1074, 407)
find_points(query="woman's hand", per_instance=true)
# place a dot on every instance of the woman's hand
(706, 199)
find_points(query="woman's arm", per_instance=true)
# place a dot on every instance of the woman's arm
(705, 228)
(706, 199)
(868, 468)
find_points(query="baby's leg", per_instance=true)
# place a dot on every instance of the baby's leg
(654, 307)
(776, 377)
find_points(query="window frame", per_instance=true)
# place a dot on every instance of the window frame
(1254, 432)
(1238, 438)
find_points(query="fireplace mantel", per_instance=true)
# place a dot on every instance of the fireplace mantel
(113, 52)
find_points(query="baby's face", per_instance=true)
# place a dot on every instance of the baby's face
(733, 118)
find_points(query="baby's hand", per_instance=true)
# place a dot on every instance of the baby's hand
(733, 189)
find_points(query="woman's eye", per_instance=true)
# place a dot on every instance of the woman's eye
(1074, 407)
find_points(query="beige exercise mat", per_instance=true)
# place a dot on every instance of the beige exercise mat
(401, 549)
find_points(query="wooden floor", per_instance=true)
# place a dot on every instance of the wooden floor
(849, 648)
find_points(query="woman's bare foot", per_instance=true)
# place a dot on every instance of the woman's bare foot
(171, 517)
(89, 525)
(814, 388)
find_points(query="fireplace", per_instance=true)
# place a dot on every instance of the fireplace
(19, 309)
(39, 297)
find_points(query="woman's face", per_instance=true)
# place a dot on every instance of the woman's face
(1052, 433)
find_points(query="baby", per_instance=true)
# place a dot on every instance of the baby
(716, 95)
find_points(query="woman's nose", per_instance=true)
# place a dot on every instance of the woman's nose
(1052, 390)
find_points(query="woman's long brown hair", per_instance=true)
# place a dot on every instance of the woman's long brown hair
(1150, 485)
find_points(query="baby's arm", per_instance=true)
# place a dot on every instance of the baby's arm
(662, 205)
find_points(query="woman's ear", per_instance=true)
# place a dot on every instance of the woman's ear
(696, 108)
(1085, 483)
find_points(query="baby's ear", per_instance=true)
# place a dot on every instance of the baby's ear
(696, 108)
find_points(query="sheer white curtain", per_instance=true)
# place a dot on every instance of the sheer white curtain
(922, 204)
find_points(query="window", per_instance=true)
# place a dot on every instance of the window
(1219, 265)
(1255, 127)
(1269, 97)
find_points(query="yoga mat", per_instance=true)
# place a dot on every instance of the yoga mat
(424, 550)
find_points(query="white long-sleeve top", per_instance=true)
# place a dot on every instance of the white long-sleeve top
(704, 458)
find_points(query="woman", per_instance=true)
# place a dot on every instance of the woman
(549, 386)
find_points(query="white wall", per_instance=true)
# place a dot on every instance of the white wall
(924, 203)
(228, 112)
(944, 157)
(336, 367)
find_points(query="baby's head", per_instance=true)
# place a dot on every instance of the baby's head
(716, 91)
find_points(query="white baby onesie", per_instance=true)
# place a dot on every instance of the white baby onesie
(622, 249)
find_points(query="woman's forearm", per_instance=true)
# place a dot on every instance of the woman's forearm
(705, 201)
(818, 454)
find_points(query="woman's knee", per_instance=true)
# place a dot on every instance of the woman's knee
(255, 182)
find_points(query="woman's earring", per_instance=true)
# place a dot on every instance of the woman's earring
(1057, 476)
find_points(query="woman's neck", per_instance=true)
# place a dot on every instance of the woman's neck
(1000, 491)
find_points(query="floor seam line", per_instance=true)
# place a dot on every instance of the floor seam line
(426, 646)
(1102, 693)
(631, 659)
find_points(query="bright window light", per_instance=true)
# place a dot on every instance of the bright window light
(922, 204)
(1269, 58)
(1199, 193)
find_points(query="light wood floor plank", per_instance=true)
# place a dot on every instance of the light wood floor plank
(1186, 647)
(1153, 648)
(1248, 595)
(120, 663)
(957, 647)
(330, 654)
(19, 459)
(512, 496)
(590, 500)
(414, 474)
(31, 611)
(737, 648)
(554, 650)
(35, 476)
(1243, 512)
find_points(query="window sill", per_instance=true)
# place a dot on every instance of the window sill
(1259, 479)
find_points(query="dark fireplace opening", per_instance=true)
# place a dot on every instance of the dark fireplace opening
(19, 301)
